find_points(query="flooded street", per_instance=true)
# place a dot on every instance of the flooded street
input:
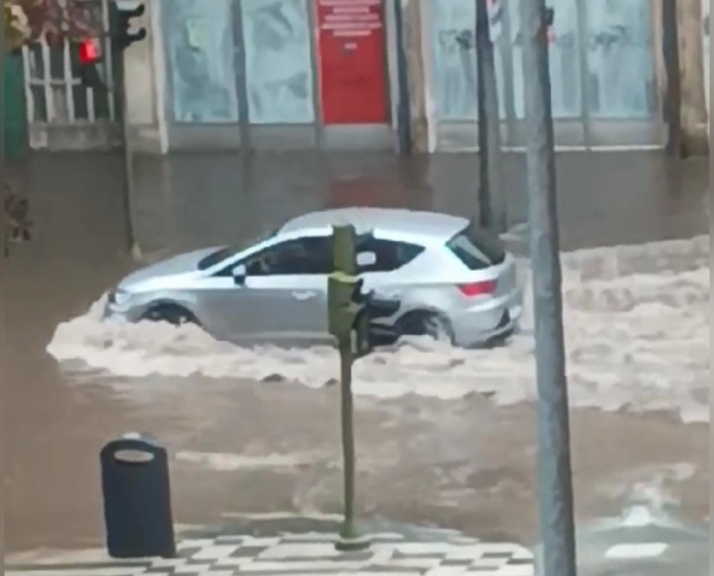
(445, 437)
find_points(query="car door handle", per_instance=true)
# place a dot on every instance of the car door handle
(304, 295)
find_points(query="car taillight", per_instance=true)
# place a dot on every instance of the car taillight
(478, 288)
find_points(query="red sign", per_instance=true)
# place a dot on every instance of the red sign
(353, 76)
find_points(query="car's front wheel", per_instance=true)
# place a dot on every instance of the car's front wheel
(170, 313)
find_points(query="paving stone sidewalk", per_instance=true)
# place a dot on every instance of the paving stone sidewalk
(306, 554)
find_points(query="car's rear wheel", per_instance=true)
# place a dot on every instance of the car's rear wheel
(428, 324)
(170, 313)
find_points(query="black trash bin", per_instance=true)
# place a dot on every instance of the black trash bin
(137, 498)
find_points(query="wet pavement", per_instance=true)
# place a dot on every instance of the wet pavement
(241, 447)
(604, 198)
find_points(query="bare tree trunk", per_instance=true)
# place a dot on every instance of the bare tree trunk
(415, 170)
(416, 76)
(491, 201)
(671, 90)
(691, 65)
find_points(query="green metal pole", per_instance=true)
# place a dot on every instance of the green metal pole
(348, 531)
(343, 250)
(344, 262)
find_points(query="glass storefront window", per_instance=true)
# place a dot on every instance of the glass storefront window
(452, 38)
(278, 64)
(620, 79)
(199, 50)
(453, 54)
(616, 50)
(564, 60)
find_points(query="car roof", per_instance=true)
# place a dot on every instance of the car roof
(394, 221)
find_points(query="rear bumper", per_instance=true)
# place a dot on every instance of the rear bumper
(488, 323)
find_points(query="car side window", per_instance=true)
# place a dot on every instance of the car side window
(302, 256)
(390, 255)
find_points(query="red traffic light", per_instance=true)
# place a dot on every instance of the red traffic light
(89, 51)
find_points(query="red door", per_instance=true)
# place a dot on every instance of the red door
(353, 77)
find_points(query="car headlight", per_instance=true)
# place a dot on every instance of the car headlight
(119, 297)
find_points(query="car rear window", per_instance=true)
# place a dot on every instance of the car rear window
(477, 248)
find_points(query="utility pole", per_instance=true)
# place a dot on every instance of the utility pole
(122, 38)
(492, 213)
(554, 463)
(128, 159)
(341, 315)
(350, 316)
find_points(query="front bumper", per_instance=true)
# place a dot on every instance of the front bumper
(128, 311)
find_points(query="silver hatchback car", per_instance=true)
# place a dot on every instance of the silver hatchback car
(454, 281)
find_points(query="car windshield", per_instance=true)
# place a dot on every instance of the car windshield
(227, 251)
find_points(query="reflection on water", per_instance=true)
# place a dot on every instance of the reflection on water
(189, 201)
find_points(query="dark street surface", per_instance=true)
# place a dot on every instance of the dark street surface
(458, 464)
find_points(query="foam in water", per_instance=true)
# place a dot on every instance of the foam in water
(637, 337)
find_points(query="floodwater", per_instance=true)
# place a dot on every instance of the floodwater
(444, 437)
(637, 340)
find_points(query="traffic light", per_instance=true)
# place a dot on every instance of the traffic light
(90, 51)
(351, 314)
(120, 23)
(342, 308)
(365, 331)
(88, 56)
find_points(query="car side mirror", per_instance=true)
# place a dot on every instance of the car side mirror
(239, 273)
(365, 259)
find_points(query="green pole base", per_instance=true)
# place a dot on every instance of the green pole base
(354, 544)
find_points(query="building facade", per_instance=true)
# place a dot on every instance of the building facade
(300, 74)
